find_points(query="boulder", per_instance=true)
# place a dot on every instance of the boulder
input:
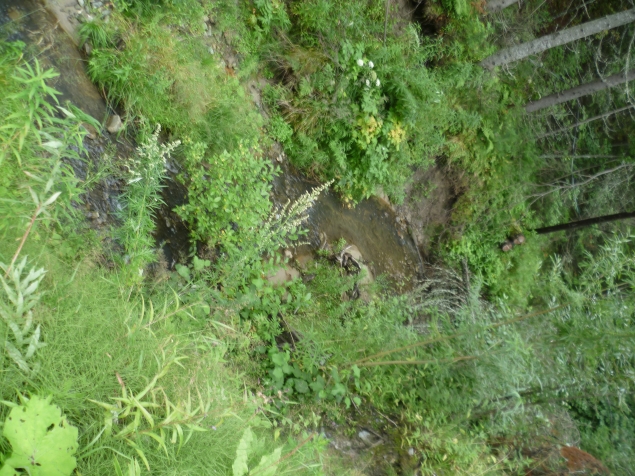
(114, 124)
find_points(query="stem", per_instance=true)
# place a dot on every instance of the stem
(417, 362)
(24, 237)
(581, 123)
(386, 20)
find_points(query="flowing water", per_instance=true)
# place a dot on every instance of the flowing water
(371, 225)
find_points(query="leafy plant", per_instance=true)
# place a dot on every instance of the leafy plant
(268, 464)
(17, 314)
(134, 469)
(43, 442)
(151, 413)
(141, 200)
(228, 194)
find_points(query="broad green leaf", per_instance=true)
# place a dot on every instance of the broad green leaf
(240, 468)
(268, 463)
(41, 439)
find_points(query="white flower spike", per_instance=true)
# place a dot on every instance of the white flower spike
(367, 83)
(377, 83)
(371, 65)
(360, 62)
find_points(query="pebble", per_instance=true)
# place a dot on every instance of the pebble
(80, 3)
(92, 215)
(113, 125)
(98, 4)
(210, 50)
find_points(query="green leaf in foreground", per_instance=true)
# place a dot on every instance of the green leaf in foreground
(239, 468)
(43, 442)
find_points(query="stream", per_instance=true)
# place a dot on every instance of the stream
(371, 225)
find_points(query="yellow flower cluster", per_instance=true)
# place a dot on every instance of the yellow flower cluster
(369, 127)
(397, 134)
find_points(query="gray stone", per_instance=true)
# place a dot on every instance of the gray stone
(114, 124)
(368, 438)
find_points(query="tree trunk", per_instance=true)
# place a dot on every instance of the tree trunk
(563, 37)
(579, 156)
(586, 121)
(584, 223)
(579, 91)
(497, 5)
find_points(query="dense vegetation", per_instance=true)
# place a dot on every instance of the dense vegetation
(491, 363)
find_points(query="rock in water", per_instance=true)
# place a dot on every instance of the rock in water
(113, 125)
(91, 132)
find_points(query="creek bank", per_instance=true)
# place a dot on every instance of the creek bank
(376, 243)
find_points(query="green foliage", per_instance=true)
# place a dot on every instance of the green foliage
(134, 469)
(101, 342)
(355, 120)
(35, 140)
(172, 81)
(17, 314)
(228, 193)
(42, 441)
(150, 413)
(268, 463)
(141, 200)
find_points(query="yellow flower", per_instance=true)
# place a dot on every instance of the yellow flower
(397, 134)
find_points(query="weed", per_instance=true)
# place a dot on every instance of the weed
(141, 200)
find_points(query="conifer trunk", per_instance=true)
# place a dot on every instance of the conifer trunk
(579, 91)
(497, 5)
(584, 223)
(518, 52)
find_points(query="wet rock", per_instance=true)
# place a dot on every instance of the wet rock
(114, 124)
(519, 239)
(91, 132)
(367, 275)
(354, 252)
(369, 438)
(283, 275)
(92, 215)
(507, 246)
(87, 48)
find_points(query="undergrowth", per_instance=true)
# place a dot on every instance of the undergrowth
(214, 369)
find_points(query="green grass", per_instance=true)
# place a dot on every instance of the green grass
(102, 336)
(159, 76)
